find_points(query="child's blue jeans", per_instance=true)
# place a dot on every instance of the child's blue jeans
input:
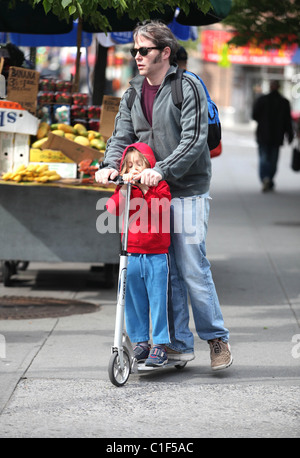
(147, 291)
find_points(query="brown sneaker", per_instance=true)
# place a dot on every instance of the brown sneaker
(220, 354)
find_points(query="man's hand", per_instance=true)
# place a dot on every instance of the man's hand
(149, 177)
(102, 176)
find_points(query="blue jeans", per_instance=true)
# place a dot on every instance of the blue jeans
(268, 158)
(147, 290)
(190, 274)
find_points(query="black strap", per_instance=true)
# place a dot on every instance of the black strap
(176, 88)
(131, 98)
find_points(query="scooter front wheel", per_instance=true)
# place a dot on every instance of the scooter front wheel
(117, 375)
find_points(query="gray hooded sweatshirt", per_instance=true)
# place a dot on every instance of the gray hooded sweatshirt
(177, 137)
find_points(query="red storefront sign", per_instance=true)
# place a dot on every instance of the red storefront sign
(214, 42)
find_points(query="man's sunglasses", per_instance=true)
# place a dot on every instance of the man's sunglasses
(143, 51)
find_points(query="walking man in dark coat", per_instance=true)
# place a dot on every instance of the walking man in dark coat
(273, 115)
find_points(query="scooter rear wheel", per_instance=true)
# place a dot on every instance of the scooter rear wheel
(118, 376)
(180, 366)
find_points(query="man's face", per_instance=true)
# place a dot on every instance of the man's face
(150, 64)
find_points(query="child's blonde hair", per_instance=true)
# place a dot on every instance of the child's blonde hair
(144, 160)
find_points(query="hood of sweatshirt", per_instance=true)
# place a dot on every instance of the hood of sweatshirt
(144, 149)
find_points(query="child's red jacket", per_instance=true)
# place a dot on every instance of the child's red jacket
(149, 216)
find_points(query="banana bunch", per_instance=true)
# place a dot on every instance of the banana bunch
(33, 172)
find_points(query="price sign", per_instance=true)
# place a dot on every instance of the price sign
(22, 87)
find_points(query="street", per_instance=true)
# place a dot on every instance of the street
(54, 380)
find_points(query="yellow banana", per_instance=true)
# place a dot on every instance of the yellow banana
(54, 177)
(17, 178)
(42, 168)
(41, 179)
(32, 168)
(20, 168)
(7, 176)
(48, 173)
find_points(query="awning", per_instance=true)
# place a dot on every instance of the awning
(59, 39)
(26, 19)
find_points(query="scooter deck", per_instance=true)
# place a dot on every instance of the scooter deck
(173, 363)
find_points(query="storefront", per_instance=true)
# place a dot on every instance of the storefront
(237, 75)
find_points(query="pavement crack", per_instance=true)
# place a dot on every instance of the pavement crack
(29, 364)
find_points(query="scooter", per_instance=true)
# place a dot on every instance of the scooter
(122, 362)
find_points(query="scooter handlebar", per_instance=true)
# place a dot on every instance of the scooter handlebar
(120, 181)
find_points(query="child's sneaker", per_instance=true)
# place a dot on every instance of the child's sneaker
(157, 357)
(141, 352)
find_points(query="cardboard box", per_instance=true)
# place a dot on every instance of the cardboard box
(21, 150)
(16, 126)
(37, 155)
(109, 110)
(63, 169)
(73, 150)
(14, 151)
(13, 118)
(6, 152)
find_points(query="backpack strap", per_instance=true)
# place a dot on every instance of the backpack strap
(176, 88)
(131, 98)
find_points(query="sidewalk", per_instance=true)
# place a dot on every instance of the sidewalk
(54, 381)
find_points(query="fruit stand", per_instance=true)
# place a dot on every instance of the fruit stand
(53, 223)
(49, 202)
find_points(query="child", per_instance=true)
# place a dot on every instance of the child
(148, 243)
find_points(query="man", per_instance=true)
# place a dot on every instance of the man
(181, 58)
(179, 141)
(273, 115)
